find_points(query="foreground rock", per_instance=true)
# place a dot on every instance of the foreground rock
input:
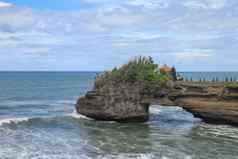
(125, 95)
(214, 103)
(115, 102)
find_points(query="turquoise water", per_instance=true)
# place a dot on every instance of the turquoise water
(37, 121)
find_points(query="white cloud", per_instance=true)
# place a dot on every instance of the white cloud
(112, 28)
(120, 45)
(142, 35)
(120, 20)
(34, 51)
(205, 4)
(150, 4)
(5, 5)
(97, 1)
(193, 55)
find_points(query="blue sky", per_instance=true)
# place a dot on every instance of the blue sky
(51, 4)
(77, 35)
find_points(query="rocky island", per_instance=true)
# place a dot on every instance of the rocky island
(124, 94)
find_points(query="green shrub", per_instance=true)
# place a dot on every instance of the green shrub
(231, 85)
(140, 69)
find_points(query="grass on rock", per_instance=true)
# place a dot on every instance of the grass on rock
(139, 70)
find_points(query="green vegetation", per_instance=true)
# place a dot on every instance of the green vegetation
(140, 70)
(231, 85)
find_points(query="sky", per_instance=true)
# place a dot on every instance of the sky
(96, 35)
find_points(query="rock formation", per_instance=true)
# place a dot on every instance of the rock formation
(125, 95)
(214, 103)
(121, 102)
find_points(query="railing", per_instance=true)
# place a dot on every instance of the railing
(208, 76)
(215, 79)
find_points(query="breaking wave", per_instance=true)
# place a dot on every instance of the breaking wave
(78, 116)
(13, 120)
(6, 121)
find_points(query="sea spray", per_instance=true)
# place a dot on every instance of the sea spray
(155, 109)
(78, 116)
(13, 120)
(26, 119)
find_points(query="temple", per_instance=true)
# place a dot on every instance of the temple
(169, 70)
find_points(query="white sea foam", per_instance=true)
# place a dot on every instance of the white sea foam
(125, 156)
(13, 120)
(78, 116)
(131, 156)
(155, 109)
(25, 119)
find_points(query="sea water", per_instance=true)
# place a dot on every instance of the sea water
(38, 121)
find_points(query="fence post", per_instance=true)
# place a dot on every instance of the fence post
(226, 80)
(213, 79)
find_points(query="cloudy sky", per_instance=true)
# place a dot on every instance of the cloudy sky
(88, 35)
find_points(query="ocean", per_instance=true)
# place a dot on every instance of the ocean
(38, 121)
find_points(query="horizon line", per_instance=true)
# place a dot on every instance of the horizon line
(95, 71)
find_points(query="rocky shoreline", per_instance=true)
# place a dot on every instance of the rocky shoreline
(214, 103)
(129, 101)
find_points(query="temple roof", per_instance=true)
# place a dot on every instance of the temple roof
(165, 68)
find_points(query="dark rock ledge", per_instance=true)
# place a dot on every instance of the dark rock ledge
(215, 103)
